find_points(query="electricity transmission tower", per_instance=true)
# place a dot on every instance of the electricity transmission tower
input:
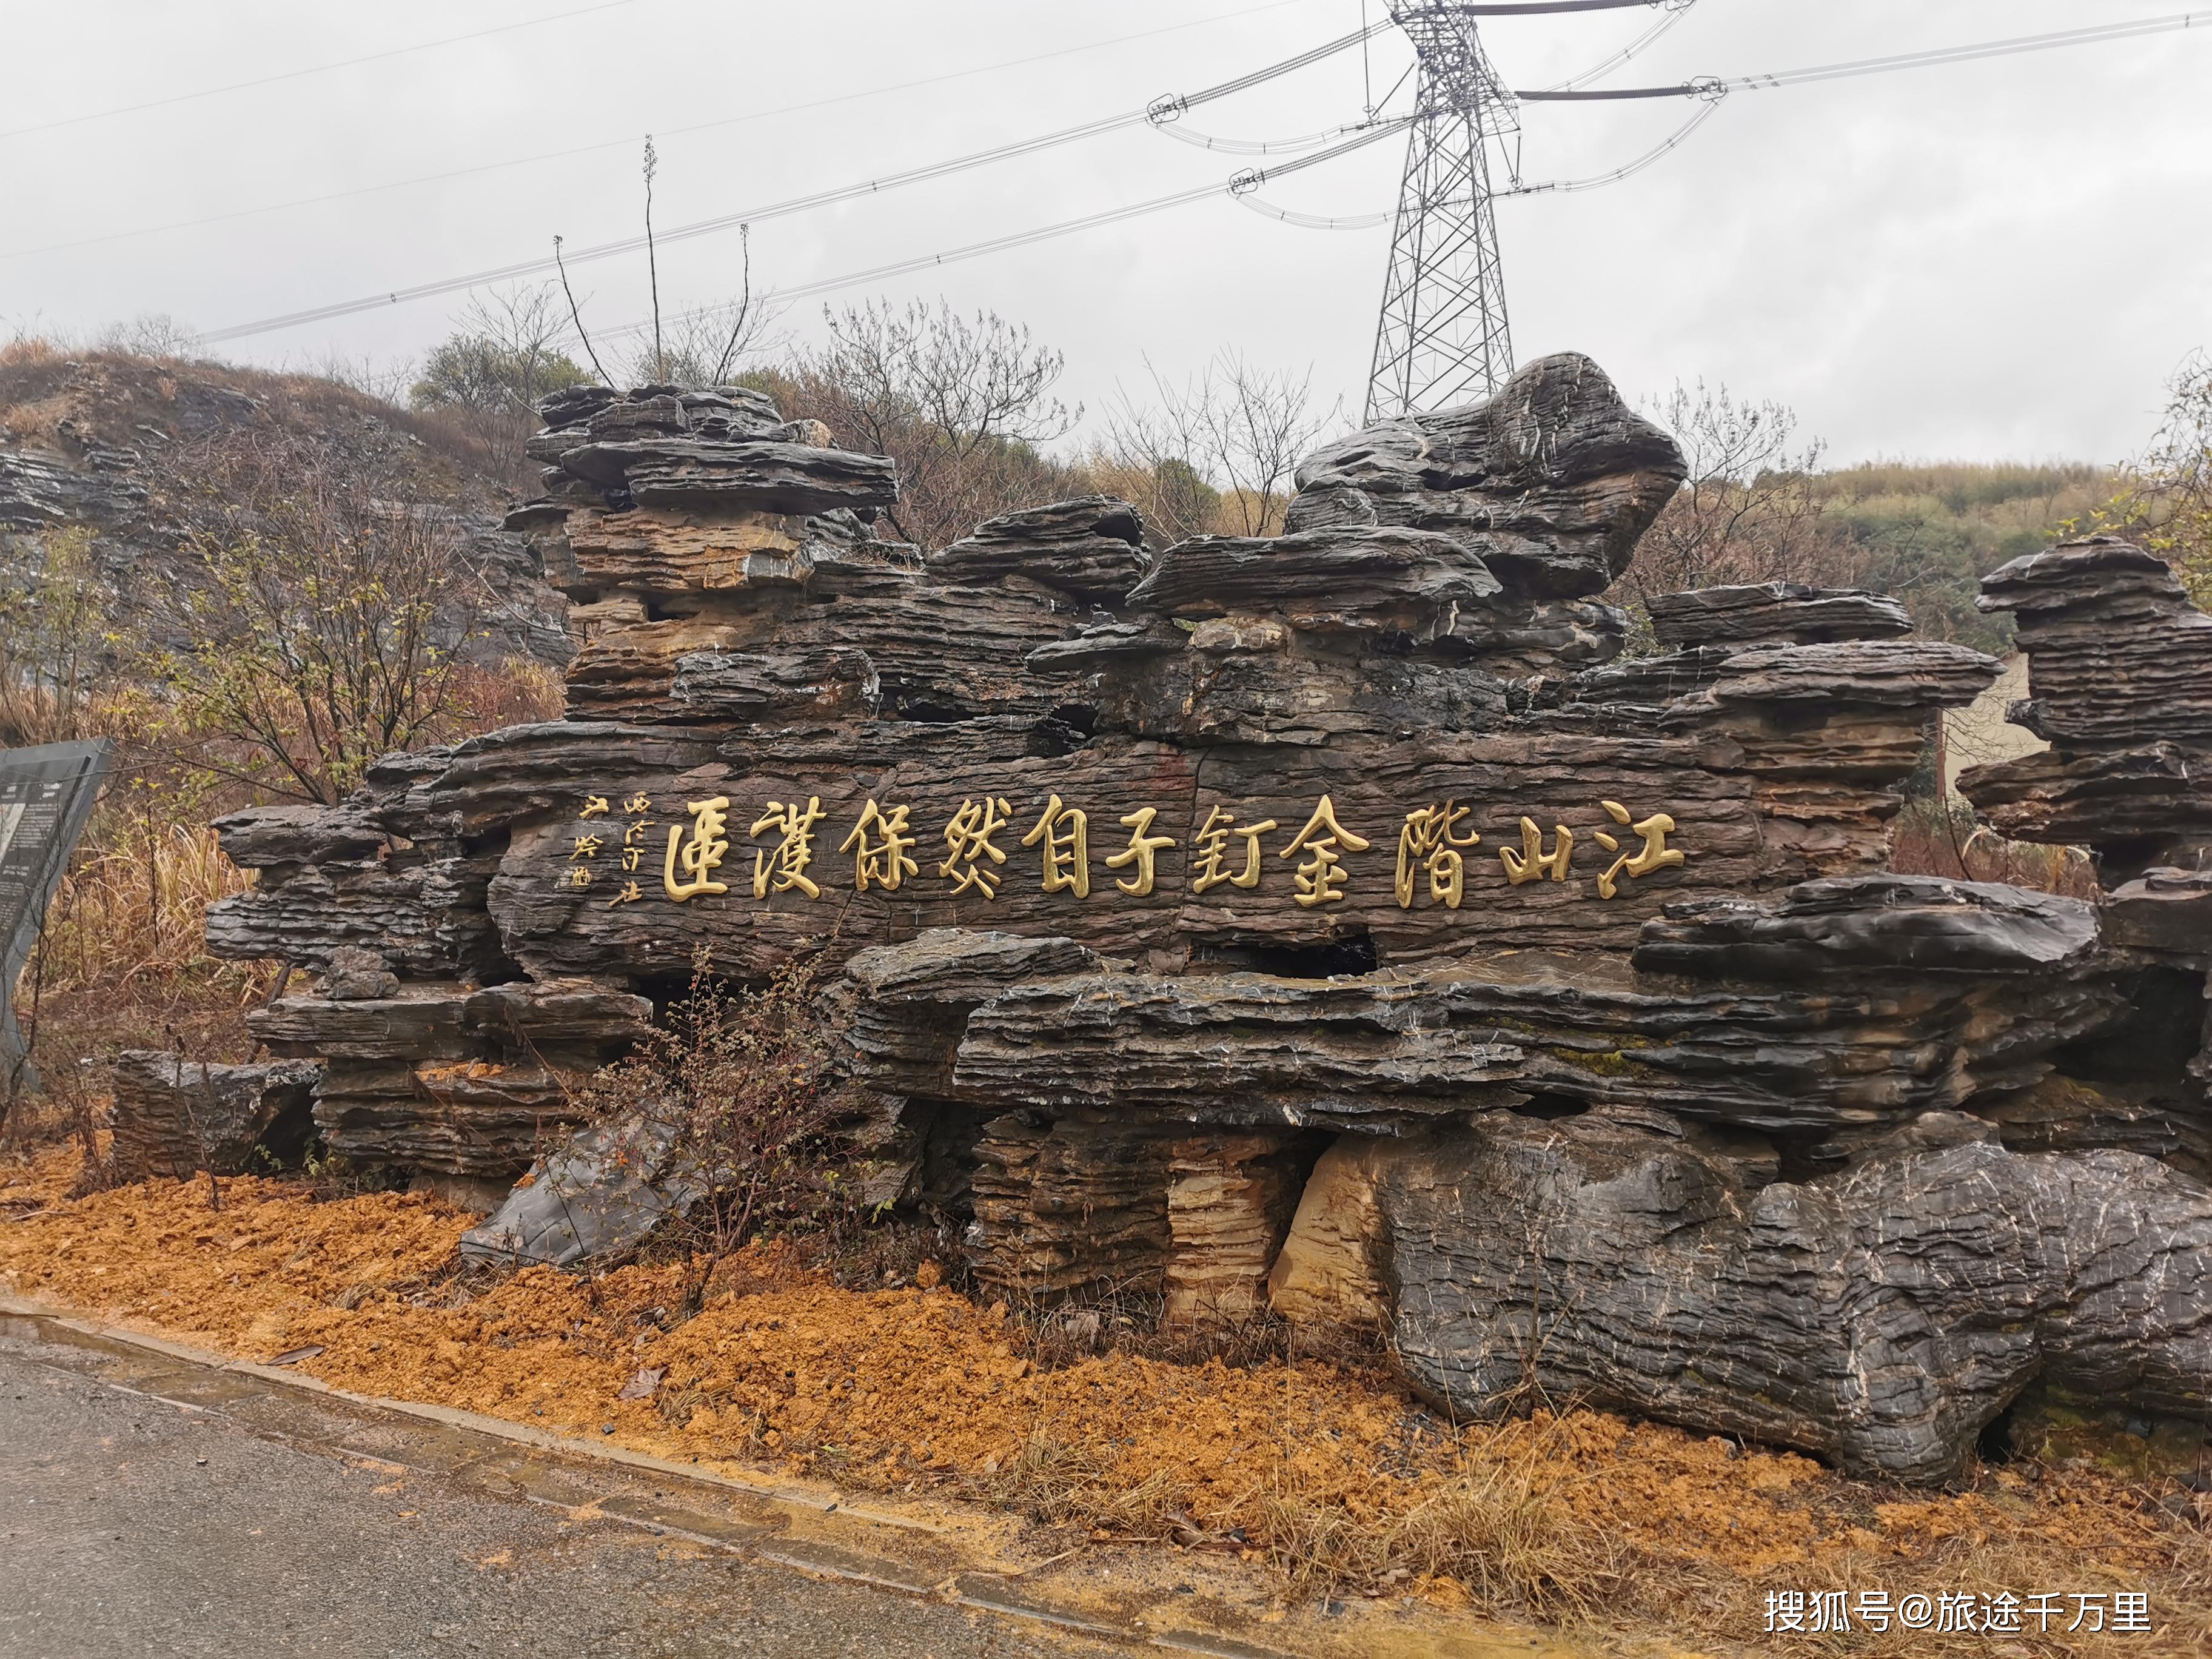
(1443, 337)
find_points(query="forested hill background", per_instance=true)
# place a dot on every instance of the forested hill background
(1927, 533)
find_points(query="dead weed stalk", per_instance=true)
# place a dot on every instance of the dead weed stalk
(1501, 1524)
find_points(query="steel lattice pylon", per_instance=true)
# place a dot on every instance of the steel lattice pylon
(1442, 337)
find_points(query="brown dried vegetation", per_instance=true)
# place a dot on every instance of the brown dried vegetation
(1328, 1472)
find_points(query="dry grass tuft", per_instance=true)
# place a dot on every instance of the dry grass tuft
(130, 914)
(1063, 1485)
(1501, 1524)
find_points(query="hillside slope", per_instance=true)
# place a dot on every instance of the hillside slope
(1928, 532)
(109, 442)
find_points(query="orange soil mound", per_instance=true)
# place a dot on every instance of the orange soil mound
(913, 1388)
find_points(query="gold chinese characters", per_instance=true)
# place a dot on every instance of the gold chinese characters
(1320, 879)
(1429, 844)
(1434, 841)
(701, 855)
(879, 844)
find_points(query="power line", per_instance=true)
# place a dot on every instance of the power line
(799, 205)
(629, 140)
(1567, 186)
(1708, 87)
(1676, 11)
(1314, 221)
(316, 69)
(1537, 8)
(1253, 146)
(1240, 186)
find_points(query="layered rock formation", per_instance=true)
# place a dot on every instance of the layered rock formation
(2119, 673)
(176, 1117)
(1879, 1316)
(1224, 924)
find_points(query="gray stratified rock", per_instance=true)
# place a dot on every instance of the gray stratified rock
(1773, 613)
(452, 1079)
(39, 492)
(1237, 1048)
(481, 1119)
(1551, 481)
(913, 1000)
(423, 1021)
(603, 1192)
(175, 1117)
(1384, 1052)
(1917, 924)
(1880, 1318)
(1908, 673)
(2166, 911)
(422, 914)
(2138, 807)
(2118, 657)
(281, 837)
(357, 974)
(1092, 548)
(2119, 673)
(758, 474)
(1065, 1204)
(573, 405)
(1123, 1079)
(1337, 579)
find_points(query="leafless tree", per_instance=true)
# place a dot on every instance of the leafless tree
(509, 347)
(320, 629)
(387, 380)
(153, 334)
(737, 1085)
(1237, 431)
(1749, 511)
(959, 403)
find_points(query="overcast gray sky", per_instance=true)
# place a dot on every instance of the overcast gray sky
(2000, 258)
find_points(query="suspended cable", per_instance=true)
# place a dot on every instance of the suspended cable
(1176, 130)
(1242, 185)
(1167, 108)
(1707, 86)
(628, 141)
(1314, 222)
(315, 69)
(1535, 8)
(797, 205)
(1564, 186)
(1676, 11)
(950, 256)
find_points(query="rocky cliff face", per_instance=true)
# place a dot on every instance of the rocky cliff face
(1327, 917)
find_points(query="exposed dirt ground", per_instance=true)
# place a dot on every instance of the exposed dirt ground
(1328, 1474)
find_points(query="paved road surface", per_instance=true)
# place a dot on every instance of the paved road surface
(131, 1526)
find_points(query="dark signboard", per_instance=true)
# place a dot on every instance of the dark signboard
(45, 796)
